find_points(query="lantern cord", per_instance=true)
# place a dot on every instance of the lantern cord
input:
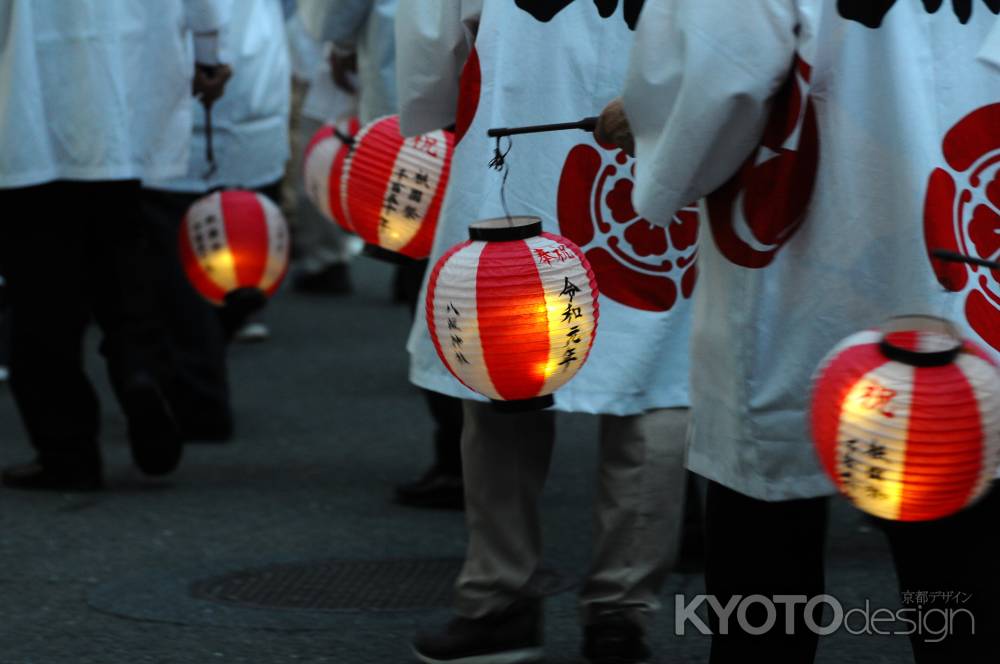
(499, 163)
(209, 151)
(344, 138)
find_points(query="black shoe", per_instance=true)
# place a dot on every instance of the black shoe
(614, 639)
(435, 490)
(510, 637)
(152, 429)
(332, 280)
(36, 476)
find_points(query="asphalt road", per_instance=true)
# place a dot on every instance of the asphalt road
(327, 423)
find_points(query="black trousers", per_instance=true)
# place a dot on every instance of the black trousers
(445, 410)
(72, 252)
(198, 389)
(4, 326)
(776, 548)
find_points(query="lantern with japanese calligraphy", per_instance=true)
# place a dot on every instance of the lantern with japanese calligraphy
(906, 419)
(513, 311)
(323, 168)
(234, 241)
(393, 187)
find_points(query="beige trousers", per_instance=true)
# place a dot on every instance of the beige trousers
(638, 513)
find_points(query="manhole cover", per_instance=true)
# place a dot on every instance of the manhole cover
(338, 585)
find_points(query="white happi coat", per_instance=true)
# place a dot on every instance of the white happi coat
(97, 89)
(364, 27)
(250, 121)
(841, 142)
(553, 63)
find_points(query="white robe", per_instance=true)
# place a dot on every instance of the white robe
(534, 70)
(250, 121)
(367, 28)
(97, 89)
(827, 228)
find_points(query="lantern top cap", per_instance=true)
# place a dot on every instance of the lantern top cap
(505, 229)
(920, 341)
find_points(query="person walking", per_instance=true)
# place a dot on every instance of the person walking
(96, 99)
(362, 35)
(832, 142)
(250, 151)
(472, 64)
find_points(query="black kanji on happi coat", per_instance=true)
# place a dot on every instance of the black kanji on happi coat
(545, 10)
(873, 12)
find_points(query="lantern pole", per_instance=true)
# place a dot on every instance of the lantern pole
(955, 257)
(209, 150)
(586, 124)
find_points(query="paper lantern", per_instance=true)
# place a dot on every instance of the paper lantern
(233, 241)
(513, 311)
(906, 419)
(393, 187)
(323, 167)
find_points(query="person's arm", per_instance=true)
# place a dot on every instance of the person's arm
(343, 23)
(433, 41)
(205, 19)
(698, 91)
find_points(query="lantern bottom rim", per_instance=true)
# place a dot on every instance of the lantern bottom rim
(523, 405)
(245, 300)
(385, 255)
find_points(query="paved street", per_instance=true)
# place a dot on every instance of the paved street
(327, 423)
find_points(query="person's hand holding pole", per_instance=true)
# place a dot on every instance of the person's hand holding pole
(613, 127)
(210, 82)
(343, 68)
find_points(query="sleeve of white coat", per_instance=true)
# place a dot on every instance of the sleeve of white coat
(990, 52)
(205, 19)
(344, 21)
(207, 15)
(433, 41)
(698, 91)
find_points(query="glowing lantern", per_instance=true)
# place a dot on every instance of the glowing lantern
(907, 419)
(323, 168)
(393, 187)
(234, 241)
(513, 311)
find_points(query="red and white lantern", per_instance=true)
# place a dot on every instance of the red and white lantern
(232, 240)
(513, 311)
(906, 419)
(393, 187)
(323, 168)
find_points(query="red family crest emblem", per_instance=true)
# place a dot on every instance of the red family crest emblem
(469, 89)
(962, 214)
(759, 210)
(637, 264)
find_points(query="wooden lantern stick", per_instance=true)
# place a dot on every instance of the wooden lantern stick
(954, 257)
(499, 161)
(586, 124)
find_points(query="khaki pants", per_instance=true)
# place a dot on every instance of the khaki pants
(638, 514)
